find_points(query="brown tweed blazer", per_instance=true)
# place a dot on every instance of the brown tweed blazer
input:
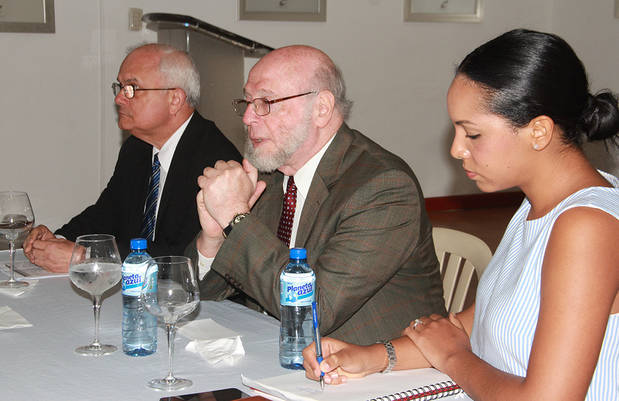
(367, 236)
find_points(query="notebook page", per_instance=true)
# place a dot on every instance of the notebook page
(296, 387)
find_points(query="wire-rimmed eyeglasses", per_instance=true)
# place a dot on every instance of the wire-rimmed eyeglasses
(262, 105)
(130, 89)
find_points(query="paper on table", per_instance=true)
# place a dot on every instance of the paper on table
(15, 292)
(9, 319)
(213, 342)
(26, 269)
(296, 387)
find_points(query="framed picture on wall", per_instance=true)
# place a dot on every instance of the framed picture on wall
(283, 10)
(27, 16)
(443, 10)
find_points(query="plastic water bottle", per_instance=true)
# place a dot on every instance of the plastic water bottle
(297, 291)
(139, 327)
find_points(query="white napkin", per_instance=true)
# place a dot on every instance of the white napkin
(15, 292)
(9, 319)
(213, 342)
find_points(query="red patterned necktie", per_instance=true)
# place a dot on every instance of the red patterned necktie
(288, 207)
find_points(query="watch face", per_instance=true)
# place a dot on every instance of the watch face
(238, 218)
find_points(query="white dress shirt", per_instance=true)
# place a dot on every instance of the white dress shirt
(303, 180)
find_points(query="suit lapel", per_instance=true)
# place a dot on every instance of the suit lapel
(179, 169)
(329, 170)
(143, 165)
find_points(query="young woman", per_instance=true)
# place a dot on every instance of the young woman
(546, 320)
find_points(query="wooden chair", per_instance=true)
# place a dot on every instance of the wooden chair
(460, 255)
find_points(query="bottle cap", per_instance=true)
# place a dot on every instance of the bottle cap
(138, 244)
(298, 253)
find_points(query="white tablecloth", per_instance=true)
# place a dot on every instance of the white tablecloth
(39, 362)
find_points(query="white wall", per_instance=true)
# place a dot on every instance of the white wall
(50, 112)
(593, 31)
(58, 122)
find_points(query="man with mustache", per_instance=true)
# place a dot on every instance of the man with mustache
(358, 209)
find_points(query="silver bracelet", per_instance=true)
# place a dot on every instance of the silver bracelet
(391, 355)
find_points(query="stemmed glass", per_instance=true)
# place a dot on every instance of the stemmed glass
(95, 267)
(16, 217)
(170, 291)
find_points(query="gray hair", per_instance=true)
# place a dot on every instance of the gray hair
(178, 70)
(328, 76)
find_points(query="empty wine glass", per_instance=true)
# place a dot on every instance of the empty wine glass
(16, 217)
(170, 291)
(95, 267)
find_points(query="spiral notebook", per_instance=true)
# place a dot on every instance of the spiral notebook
(409, 385)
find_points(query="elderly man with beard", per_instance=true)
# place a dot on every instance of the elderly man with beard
(356, 208)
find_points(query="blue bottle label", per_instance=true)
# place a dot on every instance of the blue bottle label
(133, 279)
(297, 289)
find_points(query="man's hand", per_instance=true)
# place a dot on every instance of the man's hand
(40, 232)
(259, 186)
(211, 237)
(52, 254)
(229, 188)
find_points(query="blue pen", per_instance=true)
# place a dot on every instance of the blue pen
(317, 342)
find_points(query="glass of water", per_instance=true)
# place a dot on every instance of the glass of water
(95, 267)
(170, 291)
(16, 218)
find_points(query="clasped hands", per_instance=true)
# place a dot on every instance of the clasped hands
(226, 189)
(438, 339)
(44, 249)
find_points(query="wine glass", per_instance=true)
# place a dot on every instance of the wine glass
(16, 217)
(95, 267)
(170, 291)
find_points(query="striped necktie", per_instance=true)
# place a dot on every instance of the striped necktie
(288, 207)
(150, 208)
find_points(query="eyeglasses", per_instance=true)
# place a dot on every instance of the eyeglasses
(262, 106)
(130, 89)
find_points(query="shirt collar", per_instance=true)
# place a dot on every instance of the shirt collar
(166, 152)
(303, 177)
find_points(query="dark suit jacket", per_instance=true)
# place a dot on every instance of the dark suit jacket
(120, 206)
(367, 236)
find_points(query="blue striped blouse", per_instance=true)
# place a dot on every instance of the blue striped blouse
(508, 295)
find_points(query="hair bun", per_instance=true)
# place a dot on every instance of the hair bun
(600, 117)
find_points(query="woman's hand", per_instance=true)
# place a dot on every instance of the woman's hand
(343, 360)
(439, 339)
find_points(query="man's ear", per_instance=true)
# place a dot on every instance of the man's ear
(177, 99)
(323, 108)
(541, 130)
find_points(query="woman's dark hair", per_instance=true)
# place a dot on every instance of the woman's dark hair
(526, 74)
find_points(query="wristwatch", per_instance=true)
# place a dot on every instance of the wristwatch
(235, 220)
(390, 354)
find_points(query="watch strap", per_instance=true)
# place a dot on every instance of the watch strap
(235, 220)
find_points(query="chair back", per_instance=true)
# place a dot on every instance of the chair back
(460, 255)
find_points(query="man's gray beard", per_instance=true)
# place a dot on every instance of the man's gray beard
(263, 164)
(294, 140)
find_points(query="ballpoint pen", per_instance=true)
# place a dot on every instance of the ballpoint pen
(317, 342)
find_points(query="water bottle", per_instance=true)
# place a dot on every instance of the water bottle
(297, 285)
(139, 327)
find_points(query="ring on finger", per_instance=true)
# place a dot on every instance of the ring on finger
(417, 323)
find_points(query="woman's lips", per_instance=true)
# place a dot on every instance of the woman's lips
(470, 174)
